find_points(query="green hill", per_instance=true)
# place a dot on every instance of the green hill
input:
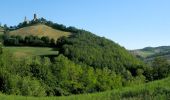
(85, 63)
(85, 47)
(40, 30)
(156, 90)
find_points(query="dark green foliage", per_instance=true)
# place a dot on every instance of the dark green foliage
(98, 52)
(0, 49)
(28, 41)
(37, 76)
(159, 68)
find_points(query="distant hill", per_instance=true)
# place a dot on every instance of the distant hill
(40, 30)
(149, 53)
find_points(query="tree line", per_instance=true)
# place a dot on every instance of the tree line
(17, 40)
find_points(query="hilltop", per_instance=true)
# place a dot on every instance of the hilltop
(40, 30)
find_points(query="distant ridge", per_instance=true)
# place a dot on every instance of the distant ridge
(149, 53)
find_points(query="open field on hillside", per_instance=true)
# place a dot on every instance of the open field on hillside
(40, 30)
(156, 90)
(30, 51)
(143, 53)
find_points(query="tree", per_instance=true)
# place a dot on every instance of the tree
(45, 39)
(52, 42)
(161, 68)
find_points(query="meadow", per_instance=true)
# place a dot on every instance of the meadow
(20, 52)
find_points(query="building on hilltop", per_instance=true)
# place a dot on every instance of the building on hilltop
(35, 17)
(25, 20)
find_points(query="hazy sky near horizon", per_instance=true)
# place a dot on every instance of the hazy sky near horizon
(131, 23)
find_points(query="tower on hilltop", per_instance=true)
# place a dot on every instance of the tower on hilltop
(25, 20)
(35, 17)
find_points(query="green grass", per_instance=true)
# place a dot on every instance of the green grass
(157, 90)
(40, 30)
(20, 52)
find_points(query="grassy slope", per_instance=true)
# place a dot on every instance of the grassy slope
(40, 30)
(30, 51)
(127, 93)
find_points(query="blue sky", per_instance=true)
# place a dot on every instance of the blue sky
(131, 23)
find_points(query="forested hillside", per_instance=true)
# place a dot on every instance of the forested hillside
(81, 62)
(85, 47)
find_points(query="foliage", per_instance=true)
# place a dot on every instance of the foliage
(13, 40)
(157, 90)
(38, 76)
(98, 52)
(160, 68)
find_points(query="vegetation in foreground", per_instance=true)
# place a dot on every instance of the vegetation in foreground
(157, 90)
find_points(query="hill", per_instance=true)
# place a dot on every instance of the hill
(149, 53)
(85, 63)
(40, 30)
(156, 90)
(85, 47)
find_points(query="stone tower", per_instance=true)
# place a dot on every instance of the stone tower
(25, 20)
(35, 17)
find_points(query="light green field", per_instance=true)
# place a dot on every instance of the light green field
(30, 51)
(138, 92)
(40, 30)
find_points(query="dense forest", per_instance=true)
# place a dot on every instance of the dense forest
(86, 63)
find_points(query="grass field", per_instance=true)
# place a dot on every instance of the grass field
(30, 51)
(157, 90)
(40, 30)
(144, 53)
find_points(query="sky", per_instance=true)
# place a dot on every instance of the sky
(133, 24)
